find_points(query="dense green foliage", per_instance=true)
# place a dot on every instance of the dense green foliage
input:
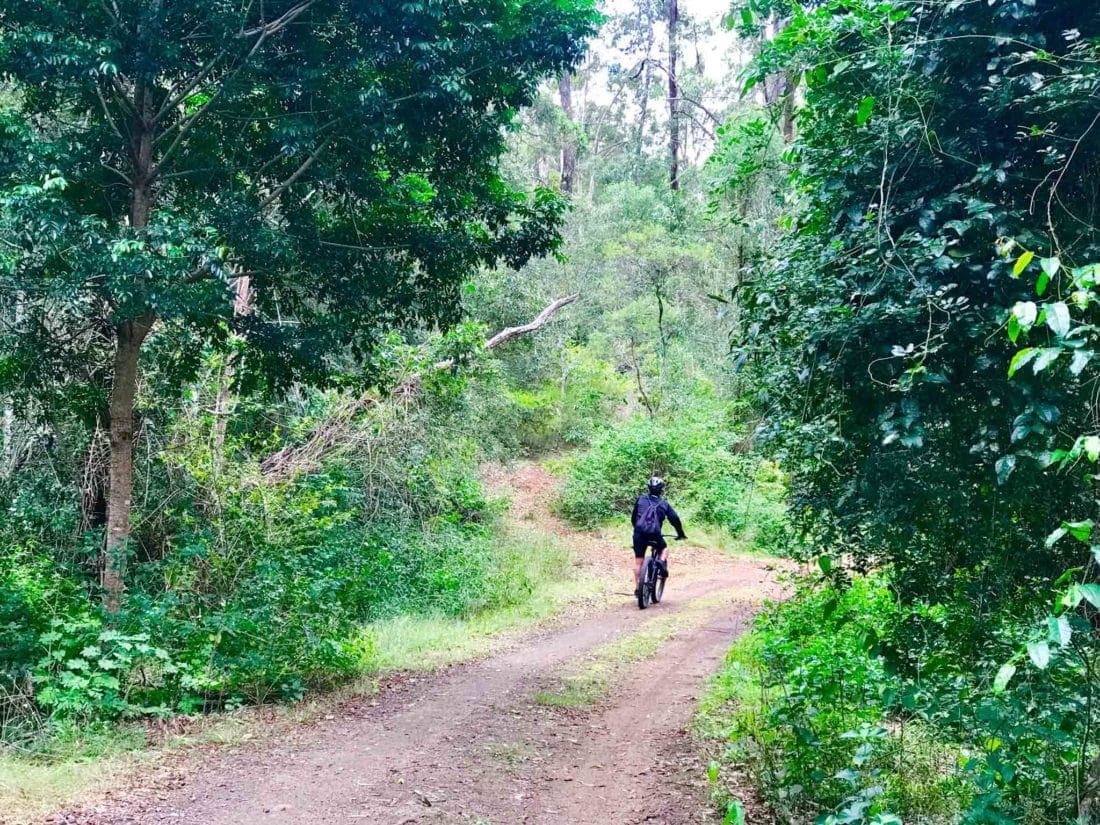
(710, 479)
(301, 145)
(250, 259)
(252, 591)
(323, 197)
(942, 149)
(205, 211)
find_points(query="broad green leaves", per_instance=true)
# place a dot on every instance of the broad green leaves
(1057, 317)
(1039, 652)
(1003, 677)
(1022, 263)
(866, 107)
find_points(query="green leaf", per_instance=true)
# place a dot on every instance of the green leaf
(1058, 318)
(1090, 593)
(1004, 676)
(735, 813)
(1026, 312)
(1058, 630)
(1041, 284)
(1050, 266)
(1021, 358)
(1022, 264)
(866, 107)
(825, 563)
(1081, 358)
(1039, 652)
(1091, 445)
(746, 16)
(1072, 597)
(1054, 537)
(1045, 358)
(1080, 530)
(1005, 465)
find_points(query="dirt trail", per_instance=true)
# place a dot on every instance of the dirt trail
(471, 744)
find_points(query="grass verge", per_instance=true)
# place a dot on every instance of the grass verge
(67, 764)
(428, 642)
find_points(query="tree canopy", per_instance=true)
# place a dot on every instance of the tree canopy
(307, 175)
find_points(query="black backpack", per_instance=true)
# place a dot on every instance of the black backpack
(649, 515)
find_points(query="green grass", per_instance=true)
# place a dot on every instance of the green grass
(29, 790)
(429, 642)
(62, 766)
(426, 642)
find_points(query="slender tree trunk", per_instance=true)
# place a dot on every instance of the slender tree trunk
(129, 336)
(779, 86)
(788, 111)
(7, 435)
(241, 307)
(568, 142)
(673, 95)
(7, 426)
(638, 378)
(647, 79)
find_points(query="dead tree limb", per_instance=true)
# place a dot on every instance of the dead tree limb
(337, 432)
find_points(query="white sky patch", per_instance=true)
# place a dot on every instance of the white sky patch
(707, 44)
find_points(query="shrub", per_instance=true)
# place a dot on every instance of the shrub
(604, 481)
(707, 481)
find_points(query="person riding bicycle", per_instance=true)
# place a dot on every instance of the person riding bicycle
(650, 512)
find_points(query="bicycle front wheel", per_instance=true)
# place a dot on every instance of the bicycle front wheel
(658, 587)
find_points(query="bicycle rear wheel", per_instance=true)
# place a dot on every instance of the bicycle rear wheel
(645, 586)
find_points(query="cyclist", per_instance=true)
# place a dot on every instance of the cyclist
(650, 512)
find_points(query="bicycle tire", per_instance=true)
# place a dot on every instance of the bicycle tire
(645, 590)
(658, 589)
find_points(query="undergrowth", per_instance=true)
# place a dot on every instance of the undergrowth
(846, 706)
(699, 452)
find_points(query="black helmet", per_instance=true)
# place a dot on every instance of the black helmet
(656, 485)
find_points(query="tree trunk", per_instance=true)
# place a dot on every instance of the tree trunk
(568, 147)
(7, 428)
(647, 76)
(241, 307)
(129, 336)
(673, 96)
(779, 87)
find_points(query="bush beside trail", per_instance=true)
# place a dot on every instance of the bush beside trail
(694, 451)
(245, 592)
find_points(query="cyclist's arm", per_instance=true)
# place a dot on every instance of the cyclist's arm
(674, 520)
(634, 514)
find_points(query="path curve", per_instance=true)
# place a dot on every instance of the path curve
(471, 744)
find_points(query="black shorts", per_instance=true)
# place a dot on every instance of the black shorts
(644, 540)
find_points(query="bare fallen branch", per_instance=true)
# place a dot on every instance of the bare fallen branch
(337, 432)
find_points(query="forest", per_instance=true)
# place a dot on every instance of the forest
(338, 340)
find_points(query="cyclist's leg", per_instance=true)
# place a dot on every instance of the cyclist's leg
(662, 554)
(639, 556)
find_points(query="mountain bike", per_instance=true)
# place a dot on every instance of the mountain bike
(651, 585)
